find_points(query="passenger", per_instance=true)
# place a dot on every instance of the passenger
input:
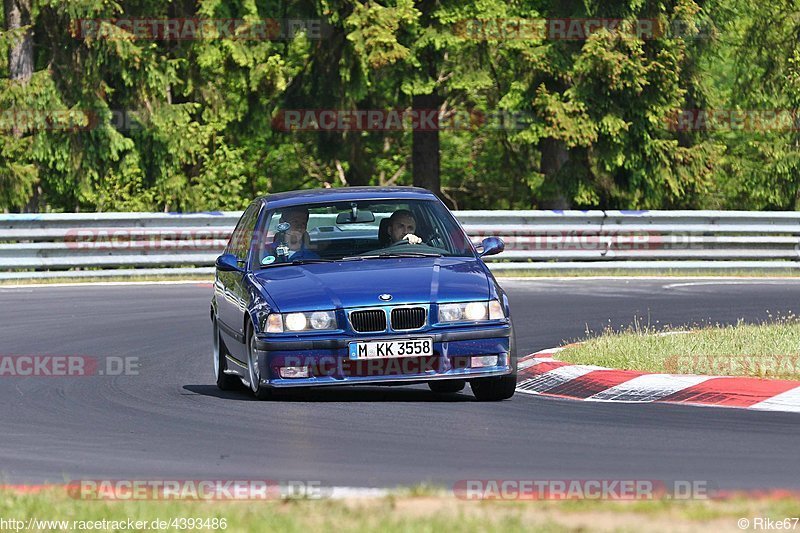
(296, 237)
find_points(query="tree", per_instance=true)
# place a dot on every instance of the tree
(17, 14)
(762, 160)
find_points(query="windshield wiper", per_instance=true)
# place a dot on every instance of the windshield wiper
(298, 262)
(387, 255)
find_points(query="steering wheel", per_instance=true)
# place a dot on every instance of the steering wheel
(437, 242)
(401, 241)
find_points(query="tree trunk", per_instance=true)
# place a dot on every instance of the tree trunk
(425, 146)
(554, 155)
(360, 171)
(20, 53)
(20, 62)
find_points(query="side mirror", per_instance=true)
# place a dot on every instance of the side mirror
(492, 246)
(228, 263)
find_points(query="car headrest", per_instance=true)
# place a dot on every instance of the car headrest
(383, 232)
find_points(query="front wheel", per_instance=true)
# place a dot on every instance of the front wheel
(494, 389)
(259, 391)
(224, 381)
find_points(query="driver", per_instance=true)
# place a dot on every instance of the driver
(402, 226)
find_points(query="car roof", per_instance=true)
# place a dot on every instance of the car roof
(337, 194)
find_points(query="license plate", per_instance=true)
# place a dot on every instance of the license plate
(392, 348)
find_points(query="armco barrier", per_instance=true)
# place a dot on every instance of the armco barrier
(106, 244)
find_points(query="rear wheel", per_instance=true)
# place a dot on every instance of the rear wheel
(259, 391)
(448, 386)
(494, 389)
(224, 381)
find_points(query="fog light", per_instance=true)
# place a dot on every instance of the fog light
(481, 361)
(289, 372)
(275, 323)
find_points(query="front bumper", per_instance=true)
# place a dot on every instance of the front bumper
(329, 363)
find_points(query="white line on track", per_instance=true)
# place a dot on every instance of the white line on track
(344, 493)
(649, 387)
(729, 282)
(553, 378)
(527, 363)
(646, 278)
(785, 401)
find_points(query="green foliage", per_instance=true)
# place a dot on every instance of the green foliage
(116, 122)
(762, 167)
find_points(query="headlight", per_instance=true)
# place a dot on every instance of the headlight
(310, 321)
(471, 311)
(450, 312)
(475, 311)
(296, 321)
(321, 319)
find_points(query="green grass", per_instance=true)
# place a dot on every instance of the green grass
(406, 512)
(767, 350)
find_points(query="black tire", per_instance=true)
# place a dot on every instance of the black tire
(259, 391)
(449, 386)
(494, 389)
(224, 381)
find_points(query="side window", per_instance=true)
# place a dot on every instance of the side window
(242, 236)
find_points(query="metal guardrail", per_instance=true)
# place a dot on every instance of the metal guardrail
(129, 244)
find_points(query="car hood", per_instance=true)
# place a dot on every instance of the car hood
(358, 283)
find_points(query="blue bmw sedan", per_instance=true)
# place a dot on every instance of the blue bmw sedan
(359, 285)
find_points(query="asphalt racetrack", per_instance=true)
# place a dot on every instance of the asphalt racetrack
(170, 422)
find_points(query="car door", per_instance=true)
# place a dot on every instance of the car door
(232, 298)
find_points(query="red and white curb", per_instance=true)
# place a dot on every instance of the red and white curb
(540, 373)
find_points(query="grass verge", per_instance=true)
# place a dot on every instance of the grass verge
(766, 350)
(403, 512)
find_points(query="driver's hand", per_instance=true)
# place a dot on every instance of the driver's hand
(412, 239)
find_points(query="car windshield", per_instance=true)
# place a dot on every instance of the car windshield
(359, 230)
